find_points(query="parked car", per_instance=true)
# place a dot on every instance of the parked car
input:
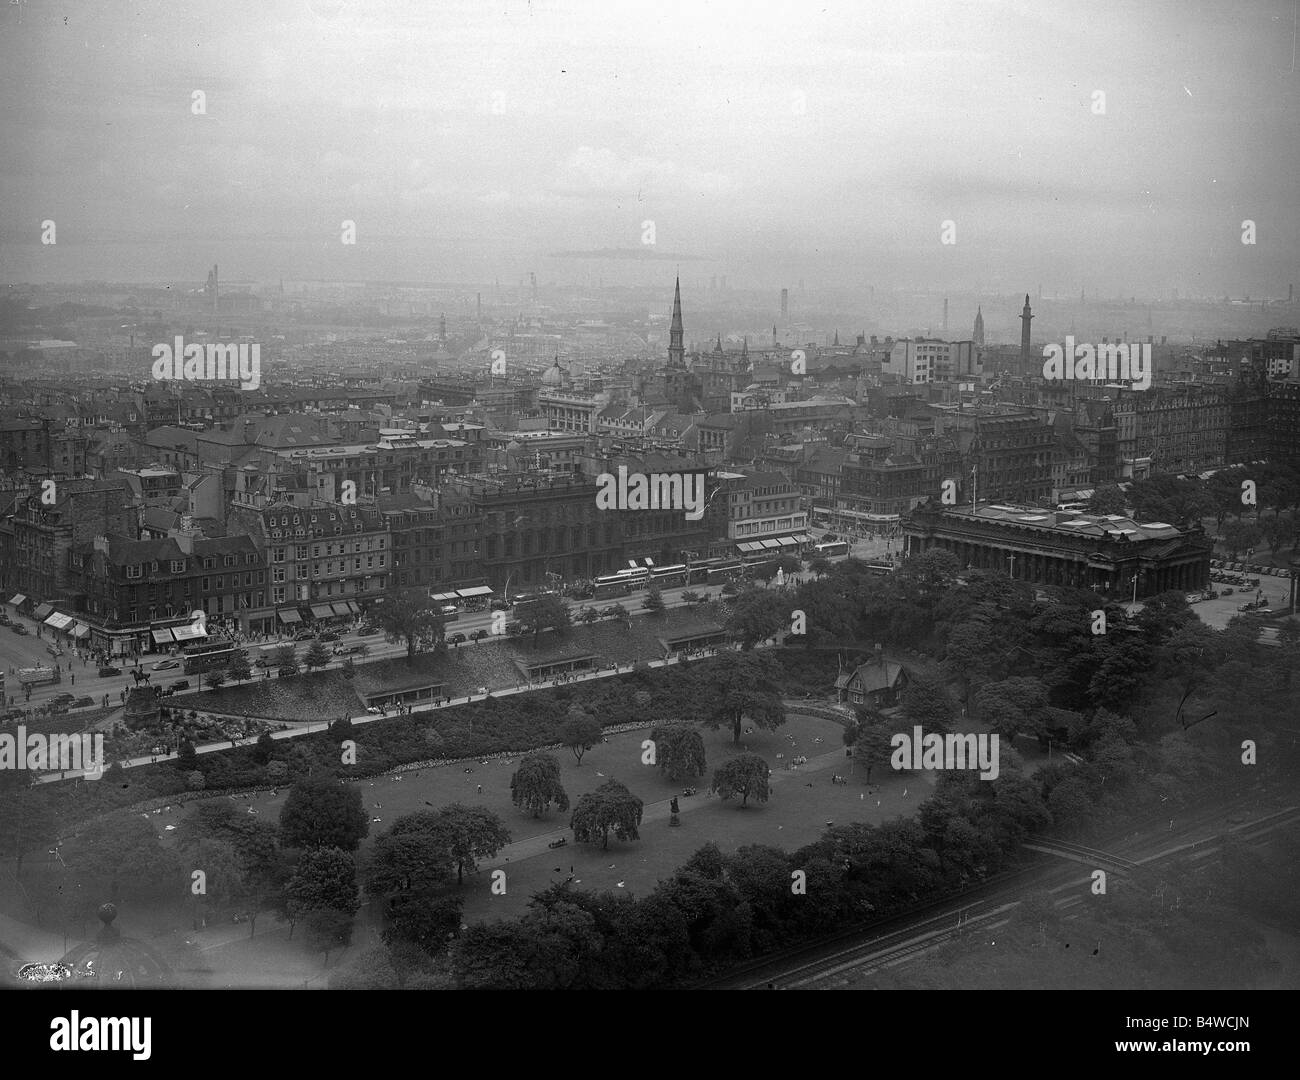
(349, 650)
(1227, 591)
(329, 636)
(4, 619)
(108, 670)
(457, 639)
(368, 629)
(83, 702)
(479, 634)
(304, 635)
(287, 671)
(63, 697)
(170, 664)
(184, 684)
(514, 626)
(500, 605)
(19, 628)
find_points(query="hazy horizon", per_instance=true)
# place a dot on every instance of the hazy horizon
(471, 144)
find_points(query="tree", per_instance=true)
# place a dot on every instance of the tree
(692, 597)
(323, 879)
(1238, 536)
(409, 858)
(263, 748)
(215, 679)
(409, 618)
(536, 784)
(328, 929)
(756, 615)
(277, 771)
(285, 659)
(926, 703)
(548, 612)
(679, 751)
(27, 822)
(426, 920)
(743, 689)
(122, 850)
(821, 566)
(588, 615)
(187, 759)
(872, 748)
(1108, 499)
(654, 601)
(317, 655)
(1015, 706)
(468, 833)
(581, 731)
(322, 813)
(195, 781)
(238, 670)
(610, 807)
(745, 775)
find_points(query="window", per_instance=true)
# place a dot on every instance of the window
(178, 566)
(134, 571)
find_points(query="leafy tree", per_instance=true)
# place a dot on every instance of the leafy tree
(215, 679)
(743, 687)
(408, 858)
(1013, 706)
(690, 596)
(327, 929)
(581, 731)
(610, 807)
(548, 612)
(409, 618)
(1108, 499)
(821, 566)
(187, 759)
(322, 813)
(237, 670)
(277, 771)
(285, 659)
(756, 615)
(588, 615)
(654, 601)
(926, 703)
(872, 748)
(27, 822)
(679, 751)
(317, 655)
(325, 879)
(745, 775)
(122, 851)
(426, 920)
(1238, 536)
(469, 833)
(263, 748)
(196, 781)
(536, 784)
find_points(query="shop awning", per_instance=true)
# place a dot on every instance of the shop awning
(786, 541)
(339, 609)
(17, 598)
(354, 607)
(80, 631)
(477, 590)
(58, 620)
(443, 597)
(162, 637)
(41, 612)
(289, 615)
(189, 632)
(769, 544)
(748, 546)
(322, 611)
(804, 538)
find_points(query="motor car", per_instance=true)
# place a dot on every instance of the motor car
(457, 639)
(500, 605)
(83, 702)
(1227, 591)
(284, 672)
(19, 628)
(304, 635)
(170, 664)
(184, 684)
(4, 619)
(11, 714)
(349, 650)
(368, 629)
(65, 696)
(514, 626)
(478, 635)
(329, 636)
(108, 670)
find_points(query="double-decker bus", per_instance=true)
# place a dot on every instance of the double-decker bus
(826, 551)
(724, 570)
(668, 577)
(206, 655)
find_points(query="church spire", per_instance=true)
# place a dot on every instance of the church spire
(676, 350)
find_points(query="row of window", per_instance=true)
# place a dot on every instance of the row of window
(177, 566)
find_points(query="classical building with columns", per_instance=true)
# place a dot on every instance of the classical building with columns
(1051, 547)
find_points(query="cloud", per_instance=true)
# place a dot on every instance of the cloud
(589, 171)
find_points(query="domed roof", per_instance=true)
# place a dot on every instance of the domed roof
(554, 375)
(112, 960)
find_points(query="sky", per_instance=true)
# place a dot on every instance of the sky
(768, 141)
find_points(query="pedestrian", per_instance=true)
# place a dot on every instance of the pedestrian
(480, 791)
